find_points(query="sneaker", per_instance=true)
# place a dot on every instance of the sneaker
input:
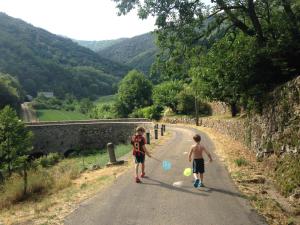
(142, 175)
(137, 180)
(196, 183)
(201, 184)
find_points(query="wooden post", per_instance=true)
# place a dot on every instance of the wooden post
(148, 137)
(156, 133)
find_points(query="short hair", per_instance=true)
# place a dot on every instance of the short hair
(141, 129)
(197, 138)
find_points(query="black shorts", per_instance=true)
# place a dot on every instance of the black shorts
(198, 166)
(139, 158)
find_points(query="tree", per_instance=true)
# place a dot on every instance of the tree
(165, 94)
(134, 92)
(15, 143)
(233, 73)
(188, 28)
(85, 105)
(254, 18)
(10, 91)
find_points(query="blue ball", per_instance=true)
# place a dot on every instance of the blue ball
(166, 165)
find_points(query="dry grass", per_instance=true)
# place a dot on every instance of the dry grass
(69, 188)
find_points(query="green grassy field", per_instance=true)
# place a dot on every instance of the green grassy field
(59, 115)
(108, 99)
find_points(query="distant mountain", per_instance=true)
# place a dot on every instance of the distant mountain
(44, 61)
(138, 52)
(99, 45)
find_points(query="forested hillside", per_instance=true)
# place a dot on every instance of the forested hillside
(137, 52)
(99, 45)
(44, 61)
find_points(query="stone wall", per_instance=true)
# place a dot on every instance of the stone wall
(276, 130)
(61, 137)
(219, 108)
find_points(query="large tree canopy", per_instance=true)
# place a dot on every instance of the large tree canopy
(134, 92)
(234, 50)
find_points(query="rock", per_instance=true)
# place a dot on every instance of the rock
(259, 156)
(256, 180)
(95, 167)
(282, 149)
(268, 151)
(295, 197)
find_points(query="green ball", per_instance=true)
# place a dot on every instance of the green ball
(187, 172)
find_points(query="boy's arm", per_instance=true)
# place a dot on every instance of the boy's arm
(190, 154)
(208, 154)
(146, 151)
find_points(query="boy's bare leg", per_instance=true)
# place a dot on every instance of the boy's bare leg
(195, 176)
(137, 170)
(201, 177)
(143, 167)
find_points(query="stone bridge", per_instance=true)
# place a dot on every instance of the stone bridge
(69, 135)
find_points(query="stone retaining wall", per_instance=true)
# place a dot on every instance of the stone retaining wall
(276, 130)
(61, 137)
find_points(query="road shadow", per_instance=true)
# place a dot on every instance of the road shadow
(235, 194)
(171, 187)
(185, 188)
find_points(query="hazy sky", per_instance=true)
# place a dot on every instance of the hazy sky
(78, 19)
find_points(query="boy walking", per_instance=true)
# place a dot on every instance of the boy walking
(198, 161)
(139, 150)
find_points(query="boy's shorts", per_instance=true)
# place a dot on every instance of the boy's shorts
(140, 158)
(198, 166)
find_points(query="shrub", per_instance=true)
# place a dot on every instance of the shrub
(241, 162)
(49, 160)
(150, 112)
(103, 111)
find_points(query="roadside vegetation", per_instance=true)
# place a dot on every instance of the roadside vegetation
(23, 178)
(52, 173)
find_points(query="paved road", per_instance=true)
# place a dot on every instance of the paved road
(157, 202)
(27, 113)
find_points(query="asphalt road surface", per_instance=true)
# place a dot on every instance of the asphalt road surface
(157, 201)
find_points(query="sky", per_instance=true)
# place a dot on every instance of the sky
(78, 19)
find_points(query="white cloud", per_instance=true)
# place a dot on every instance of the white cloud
(80, 19)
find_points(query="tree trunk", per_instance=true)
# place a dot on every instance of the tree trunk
(233, 108)
(234, 19)
(196, 111)
(9, 168)
(255, 21)
(291, 17)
